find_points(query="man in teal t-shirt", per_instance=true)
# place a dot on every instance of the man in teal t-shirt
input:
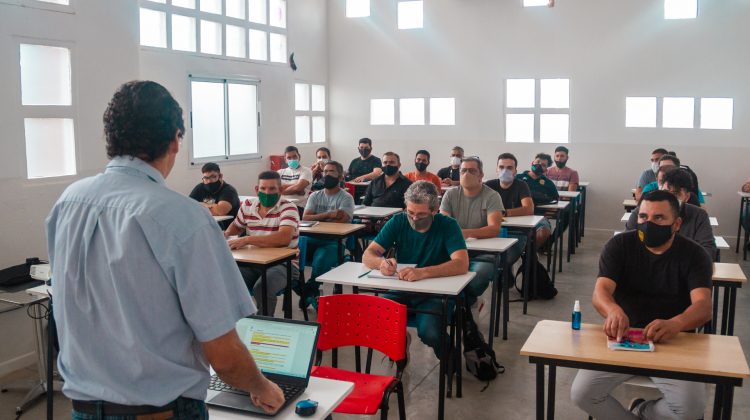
(428, 239)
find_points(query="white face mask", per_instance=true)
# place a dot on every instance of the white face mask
(655, 166)
(506, 176)
(455, 161)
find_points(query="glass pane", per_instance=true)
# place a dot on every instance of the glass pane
(640, 112)
(318, 129)
(409, 15)
(519, 93)
(257, 11)
(211, 6)
(555, 93)
(155, 1)
(210, 37)
(411, 111)
(258, 46)
(207, 103)
(183, 33)
(302, 128)
(67, 2)
(188, 4)
(301, 97)
(153, 28)
(442, 111)
(519, 128)
(236, 9)
(277, 13)
(45, 75)
(382, 111)
(357, 8)
(716, 113)
(278, 48)
(318, 98)
(678, 113)
(235, 41)
(680, 9)
(243, 119)
(50, 147)
(553, 128)
(534, 3)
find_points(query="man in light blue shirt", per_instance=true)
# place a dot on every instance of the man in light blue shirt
(146, 293)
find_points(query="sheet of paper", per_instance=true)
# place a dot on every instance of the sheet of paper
(376, 274)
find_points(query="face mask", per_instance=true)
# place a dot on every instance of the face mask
(560, 164)
(364, 152)
(293, 163)
(655, 166)
(330, 181)
(455, 161)
(390, 170)
(213, 187)
(421, 225)
(421, 167)
(506, 176)
(653, 235)
(537, 169)
(268, 200)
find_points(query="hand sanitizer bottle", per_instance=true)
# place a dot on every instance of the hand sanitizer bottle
(576, 324)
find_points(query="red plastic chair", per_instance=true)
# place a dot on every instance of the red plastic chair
(369, 321)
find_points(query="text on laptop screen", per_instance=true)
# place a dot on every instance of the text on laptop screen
(278, 347)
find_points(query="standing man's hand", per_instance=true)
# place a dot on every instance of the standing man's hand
(269, 397)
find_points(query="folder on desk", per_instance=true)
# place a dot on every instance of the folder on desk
(634, 341)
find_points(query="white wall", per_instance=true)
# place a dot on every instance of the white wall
(609, 49)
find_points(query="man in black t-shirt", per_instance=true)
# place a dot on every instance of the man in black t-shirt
(366, 167)
(217, 196)
(653, 279)
(388, 189)
(451, 175)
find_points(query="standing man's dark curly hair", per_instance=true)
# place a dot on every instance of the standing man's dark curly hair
(141, 120)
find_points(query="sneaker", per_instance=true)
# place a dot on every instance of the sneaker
(476, 308)
(634, 405)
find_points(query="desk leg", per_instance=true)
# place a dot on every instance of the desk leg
(739, 225)
(718, 400)
(583, 213)
(443, 359)
(264, 292)
(457, 362)
(551, 392)
(560, 254)
(726, 409)
(288, 291)
(539, 391)
(732, 305)
(340, 246)
(493, 302)
(715, 309)
(725, 312)
(571, 231)
(554, 249)
(506, 299)
(530, 262)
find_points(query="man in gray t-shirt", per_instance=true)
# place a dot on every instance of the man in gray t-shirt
(478, 210)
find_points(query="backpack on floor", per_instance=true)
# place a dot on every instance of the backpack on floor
(480, 358)
(544, 287)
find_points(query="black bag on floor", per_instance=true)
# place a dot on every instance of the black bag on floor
(480, 358)
(544, 287)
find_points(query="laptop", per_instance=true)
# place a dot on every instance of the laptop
(283, 349)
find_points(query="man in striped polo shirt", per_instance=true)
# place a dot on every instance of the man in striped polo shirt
(267, 222)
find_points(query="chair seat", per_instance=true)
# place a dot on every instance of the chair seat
(368, 389)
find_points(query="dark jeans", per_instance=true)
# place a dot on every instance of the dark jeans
(185, 409)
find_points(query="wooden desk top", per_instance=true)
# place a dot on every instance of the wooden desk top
(704, 354)
(490, 244)
(330, 228)
(264, 256)
(522, 221)
(728, 272)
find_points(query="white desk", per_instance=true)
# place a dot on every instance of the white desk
(528, 225)
(376, 212)
(625, 217)
(584, 184)
(525, 222)
(721, 243)
(569, 194)
(327, 392)
(560, 205)
(222, 218)
(557, 247)
(714, 221)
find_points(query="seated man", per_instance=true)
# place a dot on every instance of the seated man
(566, 179)
(649, 175)
(695, 223)
(295, 179)
(652, 279)
(478, 211)
(331, 204)
(213, 193)
(388, 189)
(269, 221)
(421, 162)
(367, 166)
(516, 198)
(671, 160)
(746, 186)
(428, 239)
(322, 156)
(543, 191)
(450, 175)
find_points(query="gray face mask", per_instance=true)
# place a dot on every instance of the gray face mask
(421, 225)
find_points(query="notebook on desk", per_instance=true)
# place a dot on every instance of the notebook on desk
(283, 349)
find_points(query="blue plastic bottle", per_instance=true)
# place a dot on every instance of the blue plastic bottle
(576, 324)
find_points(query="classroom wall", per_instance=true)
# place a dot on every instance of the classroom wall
(609, 49)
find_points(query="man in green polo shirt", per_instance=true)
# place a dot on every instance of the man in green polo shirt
(424, 237)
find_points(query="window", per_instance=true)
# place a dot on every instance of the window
(678, 113)
(410, 15)
(442, 111)
(717, 113)
(411, 111)
(534, 3)
(47, 106)
(680, 9)
(537, 110)
(310, 108)
(224, 119)
(382, 112)
(640, 112)
(357, 8)
(237, 29)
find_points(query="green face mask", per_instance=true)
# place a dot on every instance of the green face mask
(268, 200)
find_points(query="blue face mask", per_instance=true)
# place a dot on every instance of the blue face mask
(293, 163)
(506, 176)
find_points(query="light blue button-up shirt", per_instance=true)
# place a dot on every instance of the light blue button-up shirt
(141, 275)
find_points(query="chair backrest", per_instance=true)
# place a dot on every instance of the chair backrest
(362, 320)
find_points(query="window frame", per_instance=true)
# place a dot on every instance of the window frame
(537, 109)
(310, 113)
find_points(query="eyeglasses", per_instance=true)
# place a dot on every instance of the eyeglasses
(211, 178)
(472, 171)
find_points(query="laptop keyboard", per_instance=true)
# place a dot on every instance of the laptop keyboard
(217, 384)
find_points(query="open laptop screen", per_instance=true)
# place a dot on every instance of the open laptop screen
(279, 346)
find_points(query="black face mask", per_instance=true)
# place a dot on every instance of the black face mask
(421, 167)
(390, 170)
(213, 187)
(330, 181)
(653, 235)
(560, 164)
(537, 169)
(364, 152)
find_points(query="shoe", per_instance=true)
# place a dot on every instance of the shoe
(634, 404)
(476, 308)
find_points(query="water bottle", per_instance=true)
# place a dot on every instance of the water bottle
(576, 324)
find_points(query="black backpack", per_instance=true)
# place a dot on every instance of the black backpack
(544, 288)
(480, 358)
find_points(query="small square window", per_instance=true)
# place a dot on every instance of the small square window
(520, 93)
(301, 97)
(717, 113)
(555, 93)
(153, 26)
(277, 15)
(211, 6)
(318, 129)
(680, 9)
(357, 8)
(236, 8)
(187, 4)
(553, 128)
(640, 112)
(442, 111)
(210, 37)
(382, 112)
(519, 128)
(535, 3)
(678, 113)
(183, 33)
(278, 48)
(257, 11)
(50, 147)
(258, 45)
(236, 41)
(302, 128)
(411, 111)
(45, 75)
(410, 15)
(318, 98)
